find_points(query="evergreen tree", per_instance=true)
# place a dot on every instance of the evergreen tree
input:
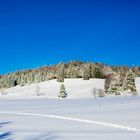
(61, 73)
(86, 72)
(72, 72)
(109, 77)
(116, 68)
(23, 82)
(115, 87)
(38, 77)
(129, 82)
(62, 93)
(96, 72)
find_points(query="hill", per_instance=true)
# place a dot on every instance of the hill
(118, 78)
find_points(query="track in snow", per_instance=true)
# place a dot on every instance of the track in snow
(112, 125)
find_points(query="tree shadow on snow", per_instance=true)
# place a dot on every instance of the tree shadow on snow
(48, 136)
(4, 123)
(5, 135)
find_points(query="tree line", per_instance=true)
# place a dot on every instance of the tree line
(72, 69)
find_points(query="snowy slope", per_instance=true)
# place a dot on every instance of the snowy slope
(137, 81)
(76, 88)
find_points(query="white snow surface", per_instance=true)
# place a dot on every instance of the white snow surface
(47, 117)
(75, 88)
(71, 119)
(137, 82)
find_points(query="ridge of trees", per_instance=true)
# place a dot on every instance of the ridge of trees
(72, 69)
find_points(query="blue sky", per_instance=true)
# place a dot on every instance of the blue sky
(42, 32)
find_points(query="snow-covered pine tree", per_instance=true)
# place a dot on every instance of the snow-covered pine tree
(92, 70)
(62, 93)
(73, 72)
(108, 73)
(129, 82)
(115, 87)
(69, 70)
(61, 73)
(30, 79)
(120, 77)
(22, 80)
(96, 71)
(86, 71)
(38, 77)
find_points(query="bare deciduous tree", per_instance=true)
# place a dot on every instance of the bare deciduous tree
(2, 91)
(37, 90)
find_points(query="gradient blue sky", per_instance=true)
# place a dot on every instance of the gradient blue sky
(39, 32)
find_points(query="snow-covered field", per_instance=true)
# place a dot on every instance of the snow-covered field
(86, 118)
(75, 88)
(137, 82)
(52, 119)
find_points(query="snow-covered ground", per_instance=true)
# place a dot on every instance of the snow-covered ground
(137, 81)
(75, 88)
(80, 117)
(87, 119)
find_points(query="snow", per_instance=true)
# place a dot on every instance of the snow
(25, 116)
(76, 88)
(101, 118)
(137, 81)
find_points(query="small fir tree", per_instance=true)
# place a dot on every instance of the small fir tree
(62, 93)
